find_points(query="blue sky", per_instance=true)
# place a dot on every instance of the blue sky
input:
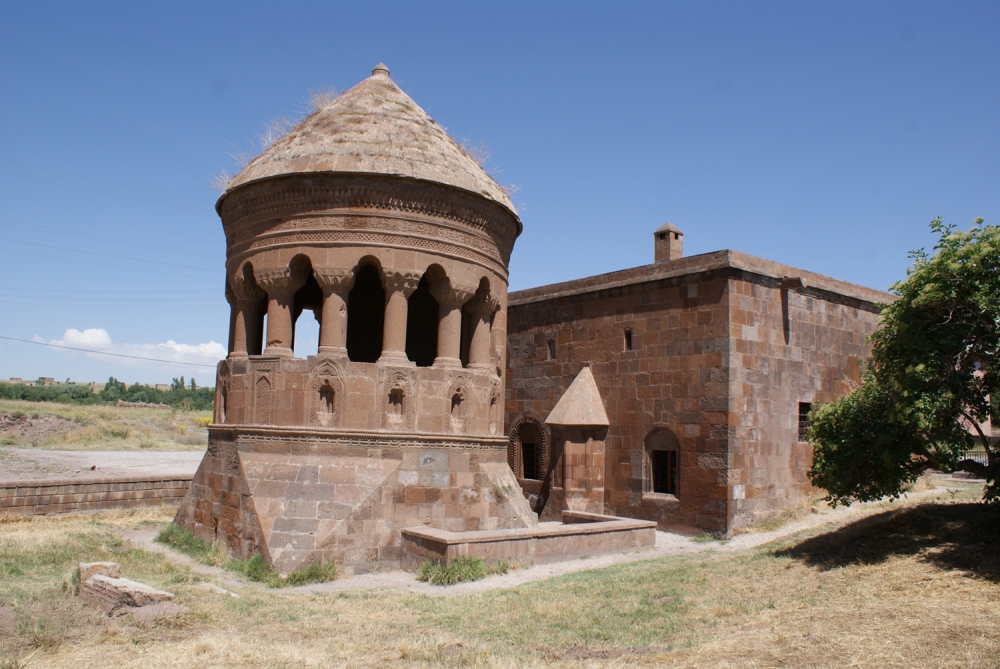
(825, 135)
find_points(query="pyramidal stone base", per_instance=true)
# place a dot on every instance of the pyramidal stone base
(304, 495)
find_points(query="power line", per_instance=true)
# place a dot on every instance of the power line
(101, 238)
(107, 255)
(117, 355)
(110, 183)
(103, 264)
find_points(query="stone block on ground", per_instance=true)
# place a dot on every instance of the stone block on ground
(157, 611)
(116, 596)
(87, 569)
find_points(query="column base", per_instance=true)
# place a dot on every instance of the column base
(278, 351)
(481, 366)
(332, 351)
(395, 358)
(450, 363)
(237, 354)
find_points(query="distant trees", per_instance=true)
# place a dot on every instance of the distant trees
(180, 395)
(934, 370)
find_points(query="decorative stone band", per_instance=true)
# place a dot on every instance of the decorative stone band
(319, 440)
(280, 197)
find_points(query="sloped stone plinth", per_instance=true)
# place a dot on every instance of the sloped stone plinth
(298, 495)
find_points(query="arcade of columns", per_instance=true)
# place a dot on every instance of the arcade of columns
(279, 287)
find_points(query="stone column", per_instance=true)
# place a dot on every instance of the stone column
(450, 297)
(233, 313)
(398, 288)
(280, 285)
(336, 283)
(481, 307)
(247, 319)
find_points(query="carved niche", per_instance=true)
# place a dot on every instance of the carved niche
(397, 401)
(326, 394)
(459, 399)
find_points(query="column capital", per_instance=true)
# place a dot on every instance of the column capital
(278, 280)
(449, 293)
(400, 282)
(244, 289)
(334, 279)
(483, 304)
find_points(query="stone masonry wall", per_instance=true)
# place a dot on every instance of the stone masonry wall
(48, 496)
(675, 376)
(789, 346)
(724, 348)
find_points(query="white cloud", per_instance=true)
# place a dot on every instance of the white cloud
(158, 356)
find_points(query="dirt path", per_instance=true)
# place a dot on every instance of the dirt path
(21, 464)
(666, 544)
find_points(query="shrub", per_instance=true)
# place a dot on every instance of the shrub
(460, 570)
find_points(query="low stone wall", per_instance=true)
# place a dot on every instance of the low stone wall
(50, 496)
(580, 534)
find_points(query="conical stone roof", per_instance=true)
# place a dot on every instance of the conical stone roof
(373, 128)
(581, 404)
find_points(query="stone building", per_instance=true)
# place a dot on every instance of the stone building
(369, 216)
(706, 367)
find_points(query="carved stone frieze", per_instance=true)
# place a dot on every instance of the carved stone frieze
(286, 196)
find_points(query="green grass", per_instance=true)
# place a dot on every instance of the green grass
(256, 569)
(704, 538)
(460, 570)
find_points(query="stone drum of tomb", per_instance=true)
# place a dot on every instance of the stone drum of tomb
(371, 217)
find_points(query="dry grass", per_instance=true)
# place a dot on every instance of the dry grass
(112, 428)
(913, 586)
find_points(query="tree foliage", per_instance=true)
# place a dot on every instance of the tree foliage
(933, 371)
(179, 396)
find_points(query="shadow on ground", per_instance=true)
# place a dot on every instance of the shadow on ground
(963, 537)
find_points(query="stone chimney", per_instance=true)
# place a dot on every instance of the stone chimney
(668, 243)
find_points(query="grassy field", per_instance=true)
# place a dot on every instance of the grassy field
(913, 586)
(75, 427)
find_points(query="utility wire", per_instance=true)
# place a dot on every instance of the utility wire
(106, 255)
(109, 183)
(101, 238)
(117, 355)
(104, 264)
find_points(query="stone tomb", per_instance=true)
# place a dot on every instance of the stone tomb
(370, 216)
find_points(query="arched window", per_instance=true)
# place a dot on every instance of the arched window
(365, 316)
(422, 325)
(661, 475)
(527, 444)
(307, 298)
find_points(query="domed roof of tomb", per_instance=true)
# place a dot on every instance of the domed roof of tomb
(373, 128)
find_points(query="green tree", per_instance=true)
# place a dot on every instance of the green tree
(928, 385)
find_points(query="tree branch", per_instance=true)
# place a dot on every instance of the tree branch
(986, 442)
